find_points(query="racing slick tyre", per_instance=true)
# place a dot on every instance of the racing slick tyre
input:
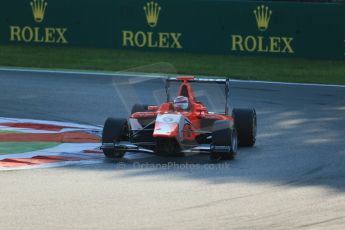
(246, 125)
(139, 108)
(224, 141)
(114, 130)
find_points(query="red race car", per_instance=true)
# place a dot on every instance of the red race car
(182, 125)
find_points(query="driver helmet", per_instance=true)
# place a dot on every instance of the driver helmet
(181, 103)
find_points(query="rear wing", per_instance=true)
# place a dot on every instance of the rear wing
(191, 79)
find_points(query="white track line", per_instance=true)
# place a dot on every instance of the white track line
(124, 74)
(63, 149)
(58, 123)
(287, 83)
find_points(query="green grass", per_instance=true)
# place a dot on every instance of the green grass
(253, 68)
(6, 131)
(22, 147)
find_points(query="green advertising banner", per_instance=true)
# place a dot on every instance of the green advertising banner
(197, 26)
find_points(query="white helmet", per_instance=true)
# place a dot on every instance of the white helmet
(181, 103)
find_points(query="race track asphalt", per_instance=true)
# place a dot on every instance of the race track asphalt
(293, 178)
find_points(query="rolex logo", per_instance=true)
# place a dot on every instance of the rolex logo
(251, 43)
(263, 16)
(151, 39)
(38, 34)
(38, 9)
(152, 10)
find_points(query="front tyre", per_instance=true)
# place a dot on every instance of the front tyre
(114, 130)
(246, 125)
(224, 140)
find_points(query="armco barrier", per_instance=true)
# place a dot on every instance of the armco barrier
(198, 26)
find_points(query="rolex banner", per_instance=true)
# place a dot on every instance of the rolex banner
(197, 26)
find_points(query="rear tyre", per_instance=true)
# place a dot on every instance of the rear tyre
(139, 108)
(224, 141)
(246, 125)
(114, 130)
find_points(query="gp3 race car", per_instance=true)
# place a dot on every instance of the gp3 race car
(181, 126)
